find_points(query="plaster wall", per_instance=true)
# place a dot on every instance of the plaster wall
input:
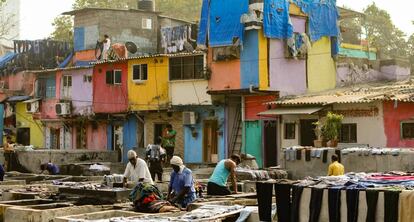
(189, 92)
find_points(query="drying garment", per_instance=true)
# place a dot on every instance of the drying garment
(298, 154)
(315, 204)
(296, 197)
(334, 196)
(406, 213)
(372, 200)
(264, 200)
(391, 201)
(307, 155)
(352, 201)
(325, 156)
(225, 26)
(362, 206)
(304, 212)
(338, 153)
(276, 20)
(283, 202)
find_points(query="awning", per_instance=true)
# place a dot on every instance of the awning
(32, 100)
(17, 98)
(290, 111)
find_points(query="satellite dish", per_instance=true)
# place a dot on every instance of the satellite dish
(131, 47)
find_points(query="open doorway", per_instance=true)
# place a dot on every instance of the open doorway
(307, 132)
(270, 143)
(118, 138)
(210, 152)
(23, 136)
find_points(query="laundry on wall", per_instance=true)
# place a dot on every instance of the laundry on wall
(177, 39)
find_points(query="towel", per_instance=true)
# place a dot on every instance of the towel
(406, 213)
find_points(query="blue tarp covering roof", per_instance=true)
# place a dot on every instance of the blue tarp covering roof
(7, 58)
(225, 25)
(203, 26)
(276, 21)
(17, 98)
(66, 61)
(83, 63)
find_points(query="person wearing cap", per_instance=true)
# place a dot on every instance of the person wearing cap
(217, 184)
(137, 169)
(181, 189)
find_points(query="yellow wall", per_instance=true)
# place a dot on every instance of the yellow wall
(263, 60)
(26, 121)
(153, 93)
(321, 66)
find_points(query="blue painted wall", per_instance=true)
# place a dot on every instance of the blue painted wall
(249, 60)
(129, 136)
(193, 146)
(79, 38)
(1, 123)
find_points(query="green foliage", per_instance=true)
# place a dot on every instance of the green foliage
(183, 9)
(79, 4)
(63, 28)
(332, 126)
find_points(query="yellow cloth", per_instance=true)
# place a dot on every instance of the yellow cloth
(336, 169)
(406, 206)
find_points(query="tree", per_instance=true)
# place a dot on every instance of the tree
(63, 28)
(101, 4)
(383, 34)
(182, 9)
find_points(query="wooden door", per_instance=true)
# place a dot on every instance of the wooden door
(210, 140)
(270, 142)
(307, 132)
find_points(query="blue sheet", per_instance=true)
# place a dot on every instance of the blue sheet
(66, 61)
(225, 25)
(7, 58)
(203, 26)
(276, 21)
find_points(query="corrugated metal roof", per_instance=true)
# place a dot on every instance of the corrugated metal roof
(150, 56)
(290, 111)
(62, 69)
(403, 91)
(17, 98)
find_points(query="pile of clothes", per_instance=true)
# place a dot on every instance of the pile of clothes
(148, 199)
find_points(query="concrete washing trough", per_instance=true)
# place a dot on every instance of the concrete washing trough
(110, 195)
(7, 204)
(47, 213)
(97, 216)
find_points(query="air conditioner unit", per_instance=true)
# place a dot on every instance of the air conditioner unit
(32, 107)
(189, 118)
(63, 109)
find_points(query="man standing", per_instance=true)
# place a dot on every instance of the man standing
(106, 46)
(217, 184)
(9, 155)
(181, 189)
(136, 170)
(155, 157)
(168, 140)
(335, 168)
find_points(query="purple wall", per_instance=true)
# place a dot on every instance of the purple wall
(287, 75)
(81, 91)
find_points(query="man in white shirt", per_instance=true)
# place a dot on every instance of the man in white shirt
(137, 170)
(106, 46)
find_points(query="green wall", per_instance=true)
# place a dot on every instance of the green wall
(253, 140)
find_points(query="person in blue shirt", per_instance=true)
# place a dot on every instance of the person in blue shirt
(53, 169)
(181, 189)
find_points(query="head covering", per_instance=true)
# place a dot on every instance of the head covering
(131, 154)
(175, 160)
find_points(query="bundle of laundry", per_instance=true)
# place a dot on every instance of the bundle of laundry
(148, 199)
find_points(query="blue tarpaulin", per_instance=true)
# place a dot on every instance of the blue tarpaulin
(225, 25)
(66, 61)
(7, 58)
(323, 17)
(276, 21)
(83, 63)
(203, 26)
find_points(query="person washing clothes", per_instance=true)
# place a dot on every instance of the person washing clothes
(136, 170)
(51, 168)
(181, 189)
(217, 184)
(335, 168)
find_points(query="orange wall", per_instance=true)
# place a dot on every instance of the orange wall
(225, 74)
(85, 55)
(255, 105)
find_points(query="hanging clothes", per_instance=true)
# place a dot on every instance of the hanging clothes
(296, 198)
(283, 202)
(334, 196)
(315, 205)
(264, 200)
(391, 202)
(372, 200)
(352, 201)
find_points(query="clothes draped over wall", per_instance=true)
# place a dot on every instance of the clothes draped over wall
(177, 39)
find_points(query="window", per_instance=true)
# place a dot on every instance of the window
(46, 87)
(290, 131)
(189, 67)
(87, 78)
(67, 81)
(348, 133)
(146, 23)
(140, 72)
(114, 77)
(407, 130)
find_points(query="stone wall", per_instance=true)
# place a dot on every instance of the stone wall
(353, 162)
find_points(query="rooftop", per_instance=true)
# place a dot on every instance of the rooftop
(74, 12)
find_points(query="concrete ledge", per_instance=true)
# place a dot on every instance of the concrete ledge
(97, 216)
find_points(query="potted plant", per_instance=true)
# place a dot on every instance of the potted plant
(318, 133)
(331, 128)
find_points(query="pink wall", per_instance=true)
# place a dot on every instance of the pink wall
(20, 81)
(48, 110)
(110, 98)
(392, 122)
(97, 138)
(287, 75)
(225, 74)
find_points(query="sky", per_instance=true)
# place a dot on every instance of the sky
(400, 11)
(38, 15)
